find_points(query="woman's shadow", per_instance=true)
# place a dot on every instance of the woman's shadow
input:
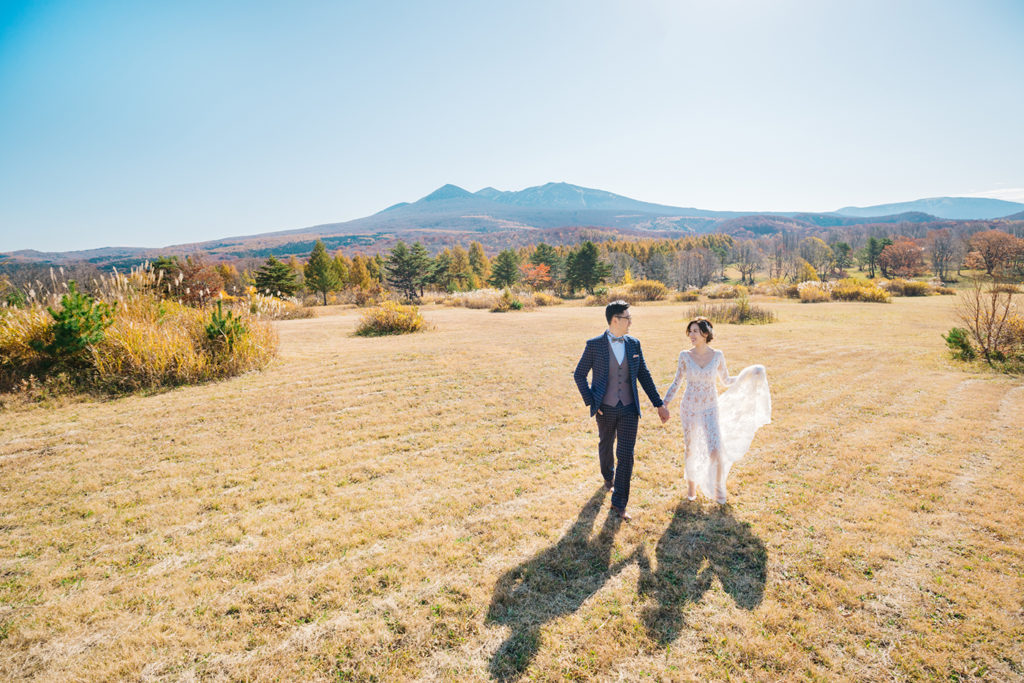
(696, 547)
(551, 584)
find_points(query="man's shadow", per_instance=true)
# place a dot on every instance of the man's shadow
(696, 547)
(553, 583)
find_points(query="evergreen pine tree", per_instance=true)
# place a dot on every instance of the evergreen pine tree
(320, 274)
(423, 265)
(546, 254)
(584, 269)
(402, 271)
(505, 269)
(276, 278)
(442, 276)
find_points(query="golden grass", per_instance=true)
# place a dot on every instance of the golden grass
(150, 343)
(428, 507)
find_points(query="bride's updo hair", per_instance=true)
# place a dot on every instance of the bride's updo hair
(704, 326)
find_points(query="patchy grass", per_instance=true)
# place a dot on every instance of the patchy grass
(380, 508)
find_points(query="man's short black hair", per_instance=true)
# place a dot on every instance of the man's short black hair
(614, 308)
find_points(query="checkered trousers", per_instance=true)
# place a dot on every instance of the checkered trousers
(616, 429)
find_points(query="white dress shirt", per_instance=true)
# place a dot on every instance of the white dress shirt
(618, 348)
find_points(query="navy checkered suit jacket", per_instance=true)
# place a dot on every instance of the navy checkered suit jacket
(595, 358)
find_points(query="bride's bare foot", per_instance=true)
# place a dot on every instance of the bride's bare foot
(721, 495)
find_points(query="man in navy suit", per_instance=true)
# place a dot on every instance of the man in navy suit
(616, 361)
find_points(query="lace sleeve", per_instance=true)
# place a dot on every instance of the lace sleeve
(723, 371)
(680, 371)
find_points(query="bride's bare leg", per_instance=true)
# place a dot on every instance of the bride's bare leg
(720, 492)
(691, 490)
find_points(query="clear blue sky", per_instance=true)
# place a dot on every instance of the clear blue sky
(156, 123)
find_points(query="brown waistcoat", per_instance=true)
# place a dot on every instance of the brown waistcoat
(619, 387)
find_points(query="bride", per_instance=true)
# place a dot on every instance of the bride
(718, 429)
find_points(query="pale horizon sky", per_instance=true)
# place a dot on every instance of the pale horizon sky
(149, 124)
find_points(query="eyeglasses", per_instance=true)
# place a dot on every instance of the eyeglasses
(624, 317)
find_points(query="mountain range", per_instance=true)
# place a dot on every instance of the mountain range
(558, 213)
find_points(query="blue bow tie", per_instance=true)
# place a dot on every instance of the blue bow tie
(617, 340)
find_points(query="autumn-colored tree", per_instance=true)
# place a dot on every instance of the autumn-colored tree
(342, 266)
(805, 271)
(536, 275)
(944, 250)
(815, 251)
(478, 261)
(359, 275)
(749, 258)
(233, 281)
(200, 281)
(996, 248)
(461, 270)
(902, 258)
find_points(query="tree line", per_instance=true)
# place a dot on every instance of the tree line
(682, 263)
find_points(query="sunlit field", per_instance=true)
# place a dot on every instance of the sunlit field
(429, 506)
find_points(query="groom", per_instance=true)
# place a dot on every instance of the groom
(617, 363)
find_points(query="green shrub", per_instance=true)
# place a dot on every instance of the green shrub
(507, 302)
(224, 330)
(959, 342)
(78, 324)
(390, 318)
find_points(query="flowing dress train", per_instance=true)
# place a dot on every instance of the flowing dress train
(725, 423)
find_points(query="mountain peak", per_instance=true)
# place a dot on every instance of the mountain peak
(448, 191)
(952, 208)
(488, 193)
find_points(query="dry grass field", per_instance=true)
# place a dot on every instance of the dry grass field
(428, 507)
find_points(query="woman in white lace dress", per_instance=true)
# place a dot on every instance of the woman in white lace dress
(717, 429)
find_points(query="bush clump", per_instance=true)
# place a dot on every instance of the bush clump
(148, 343)
(390, 318)
(77, 325)
(901, 287)
(773, 287)
(959, 342)
(688, 295)
(508, 302)
(738, 312)
(646, 290)
(724, 291)
(811, 292)
(476, 299)
(858, 289)
(545, 299)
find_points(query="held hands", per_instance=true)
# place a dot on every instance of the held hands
(663, 414)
